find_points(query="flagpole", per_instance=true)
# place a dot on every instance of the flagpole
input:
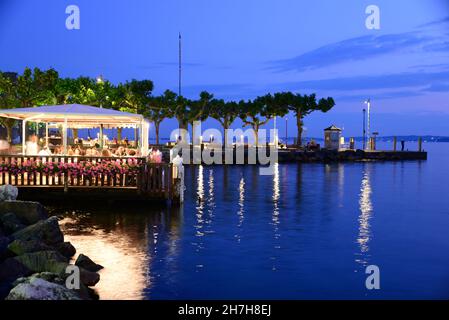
(180, 69)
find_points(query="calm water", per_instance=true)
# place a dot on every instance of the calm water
(308, 232)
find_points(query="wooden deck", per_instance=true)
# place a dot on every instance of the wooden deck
(111, 176)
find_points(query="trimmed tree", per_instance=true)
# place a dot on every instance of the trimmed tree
(302, 105)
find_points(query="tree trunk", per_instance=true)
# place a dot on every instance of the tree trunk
(192, 139)
(9, 126)
(256, 134)
(156, 128)
(75, 133)
(299, 135)
(119, 134)
(183, 125)
(225, 128)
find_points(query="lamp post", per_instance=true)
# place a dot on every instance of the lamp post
(100, 80)
(275, 134)
(364, 128)
(286, 131)
(368, 103)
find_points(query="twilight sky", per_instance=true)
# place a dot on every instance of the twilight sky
(243, 48)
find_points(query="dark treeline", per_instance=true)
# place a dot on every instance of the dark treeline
(37, 87)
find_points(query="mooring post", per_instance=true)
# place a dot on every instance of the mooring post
(351, 143)
(420, 144)
(395, 142)
(179, 176)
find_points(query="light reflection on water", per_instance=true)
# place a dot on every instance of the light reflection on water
(366, 209)
(287, 236)
(125, 259)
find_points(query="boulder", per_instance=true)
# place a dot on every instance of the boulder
(36, 288)
(28, 212)
(11, 269)
(66, 249)
(8, 192)
(4, 252)
(19, 247)
(47, 231)
(86, 263)
(89, 278)
(44, 261)
(83, 292)
(11, 223)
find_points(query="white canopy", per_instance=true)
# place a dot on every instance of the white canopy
(73, 113)
(82, 116)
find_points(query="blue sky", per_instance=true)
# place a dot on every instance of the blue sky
(241, 49)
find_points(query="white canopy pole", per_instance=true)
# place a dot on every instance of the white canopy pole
(46, 134)
(65, 131)
(145, 134)
(23, 136)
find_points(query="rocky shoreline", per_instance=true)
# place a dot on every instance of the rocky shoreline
(35, 260)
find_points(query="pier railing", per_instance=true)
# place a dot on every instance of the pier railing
(67, 172)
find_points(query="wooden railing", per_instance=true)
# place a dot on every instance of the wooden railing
(149, 179)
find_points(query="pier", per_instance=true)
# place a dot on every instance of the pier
(295, 155)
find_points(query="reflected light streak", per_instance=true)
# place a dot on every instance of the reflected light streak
(276, 194)
(125, 261)
(211, 199)
(241, 212)
(366, 210)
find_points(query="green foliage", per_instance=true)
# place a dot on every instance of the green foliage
(37, 87)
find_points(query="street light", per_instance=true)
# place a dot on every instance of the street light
(368, 103)
(100, 80)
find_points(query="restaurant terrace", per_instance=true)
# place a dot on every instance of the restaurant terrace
(98, 163)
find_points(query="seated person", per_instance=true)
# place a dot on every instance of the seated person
(120, 152)
(105, 153)
(45, 151)
(71, 151)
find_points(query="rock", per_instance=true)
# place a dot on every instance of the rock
(4, 241)
(86, 263)
(10, 223)
(36, 288)
(47, 231)
(11, 269)
(44, 261)
(19, 247)
(83, 292)
(89, 278)
(28, 212)
(8, 192)
(66, 249)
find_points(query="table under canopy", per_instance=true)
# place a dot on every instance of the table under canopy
(77, 116)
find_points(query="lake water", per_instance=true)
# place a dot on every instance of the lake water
(307, 232)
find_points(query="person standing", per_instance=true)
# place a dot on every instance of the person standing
(402, 145)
